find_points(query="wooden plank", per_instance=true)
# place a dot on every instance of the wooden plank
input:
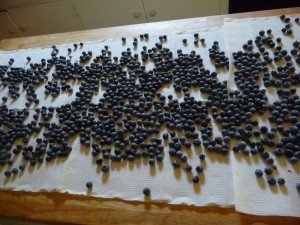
(73, 209)
(57, 207)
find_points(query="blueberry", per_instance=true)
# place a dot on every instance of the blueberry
(271, 134)
(105, 168)
(146, 191)
(14, 171)
(22, 167)
(293, 159)
(176, 163)
(201, 156)
(7, 173)
(165, 136)
(89, 184)
(151, 162)
(258, 173)
(268, 170)
(199, 169)
(271, 181)
(195, 179)
(242, 145)
(298, 186)
(188, 167)
(280, 181)
(270, 160)
(99, 161)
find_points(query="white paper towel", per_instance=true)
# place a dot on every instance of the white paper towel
(254, 195)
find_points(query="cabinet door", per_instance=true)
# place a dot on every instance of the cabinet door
(45, 18)
(17, 3)
(108, 13)
(160, 10)
(7, 28)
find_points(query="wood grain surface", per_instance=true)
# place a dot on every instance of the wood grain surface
(57, 208)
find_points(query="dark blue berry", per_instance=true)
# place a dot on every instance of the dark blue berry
(271, 181)
(199, 169)
(89, 184)
(258, 173)
(195, 179)
(7, 173)
(268, 170)
(280, 181)
(298, 186)
(146, 191)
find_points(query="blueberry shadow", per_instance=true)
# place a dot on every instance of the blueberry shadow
(282, 161)
(160, 166)
(145, 161)
(148, 200)
(138, 162)
(118, 165)
(189, 175)
(13, 177)
(105, 177)
(217, 157)
(152, 170)
(178, 94)
(89, 191)
(98, 169)
(6, 180)
(241, 157)
(261, 182)
(296, 167)
(274, 189)
(283, 189)
(197, 188)
(31, 168)
(1, 168)
(197, 150)
(202, 178)
(21, 173)
(84, 149)
(177, 173)
(188, 152)
(255, 158)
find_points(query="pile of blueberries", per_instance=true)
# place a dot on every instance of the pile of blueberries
(128, 120)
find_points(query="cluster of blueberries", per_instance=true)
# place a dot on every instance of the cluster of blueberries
(128, 120)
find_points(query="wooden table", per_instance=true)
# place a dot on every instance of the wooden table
(73, 209)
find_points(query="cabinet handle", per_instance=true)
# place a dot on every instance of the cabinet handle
(137, 15)
(152, 13)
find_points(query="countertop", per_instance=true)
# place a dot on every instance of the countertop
(57, 208)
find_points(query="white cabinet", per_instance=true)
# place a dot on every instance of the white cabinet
(108, 13)
(52, 17)
(18, 3)
(36, 17)
(7, 28)
(160, 10)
